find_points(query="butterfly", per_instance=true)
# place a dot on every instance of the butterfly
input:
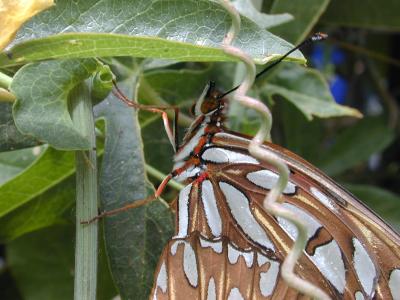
(226, 245)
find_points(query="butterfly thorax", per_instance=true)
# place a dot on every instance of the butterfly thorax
(189, 164)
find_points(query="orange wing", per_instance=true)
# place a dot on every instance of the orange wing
(228, 247)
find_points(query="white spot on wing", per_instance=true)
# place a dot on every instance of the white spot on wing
(364, 266)
(183, 211)
(233, 256)
(394, 284)
(189, 146)
(240, 209)
(210, 208)
(211, 291)
(178, 165)
(328, 259)
(311, 224)
(190, 264)
(323, 198)
(190, 172)
(261, 259)
(235, 294)
(175, 245)
(162, 278)
(216, 246)
(359, 296)
(220, 155)
(268, 279)
(268, 179)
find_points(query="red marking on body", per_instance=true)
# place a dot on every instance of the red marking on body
(203, 176)
(200, 145)
(193, 161)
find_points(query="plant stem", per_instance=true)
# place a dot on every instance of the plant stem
(161, 176)
(86, 248)
(5, 80)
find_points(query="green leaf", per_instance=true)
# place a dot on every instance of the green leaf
(385, 203)
(50, 192)
(308, 91)
(13, 162)
(41, 109)
(134, 239)
(43, 211)
(41, 195)
(247, 9)
(52, 167)
(356, 144)
(300, 135)
(42, 264)
(371, 14)
(184, 30)
(175, 86)
(158, 149)
(10, 137)
(306, 14)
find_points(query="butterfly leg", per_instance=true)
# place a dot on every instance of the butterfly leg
(134, 204)
(172, 136)
(171, 131)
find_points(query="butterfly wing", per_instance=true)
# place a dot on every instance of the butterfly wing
(227, 244)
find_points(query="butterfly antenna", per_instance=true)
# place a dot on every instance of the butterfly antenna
(314, 38)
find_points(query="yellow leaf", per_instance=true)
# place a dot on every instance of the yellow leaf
(14, 13)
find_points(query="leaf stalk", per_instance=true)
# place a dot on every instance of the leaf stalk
(86, 247)
(5, 80)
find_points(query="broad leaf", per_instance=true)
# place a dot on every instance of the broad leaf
(300, 135)
(385, 203)
(356, 144)
(175, 86)
(43, 211)
(134, 239)
(139, 28)
(308, 91)
(51, 168)
(246, 8)
(41, 110)
(42, 264)
(48, 253)
(27, 207)
(13, 162)
(370, 14)
(306, 14)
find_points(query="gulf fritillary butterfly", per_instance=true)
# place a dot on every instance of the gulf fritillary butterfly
(226, 246)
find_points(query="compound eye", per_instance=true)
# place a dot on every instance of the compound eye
(209, 105)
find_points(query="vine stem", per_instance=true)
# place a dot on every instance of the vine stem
(271, 203)
(86, 247)
(5, 80)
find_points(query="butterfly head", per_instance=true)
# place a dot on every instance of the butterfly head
(209, 101)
